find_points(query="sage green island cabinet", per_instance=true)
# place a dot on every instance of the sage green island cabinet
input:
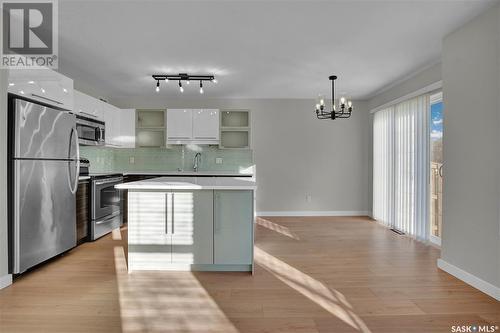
(233, 235)
(191, 223)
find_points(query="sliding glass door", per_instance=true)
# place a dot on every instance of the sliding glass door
(436, 167)
(401, 167)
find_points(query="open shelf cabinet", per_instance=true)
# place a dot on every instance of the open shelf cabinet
(150, 128)
(235, 129)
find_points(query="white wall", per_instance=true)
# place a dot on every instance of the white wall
(471, 89)
(4, 279)
(298, 155)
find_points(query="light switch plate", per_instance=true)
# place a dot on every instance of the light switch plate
(218, 160)
(131, 160)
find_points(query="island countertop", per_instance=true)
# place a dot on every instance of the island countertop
(191, 183)
(217, 173)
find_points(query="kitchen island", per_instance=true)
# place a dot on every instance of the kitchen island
(191, 223)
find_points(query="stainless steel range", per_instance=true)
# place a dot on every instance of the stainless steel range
(106, 204)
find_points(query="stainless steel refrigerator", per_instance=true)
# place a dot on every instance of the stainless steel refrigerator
(44, 172)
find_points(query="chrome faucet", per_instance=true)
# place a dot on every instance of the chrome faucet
(196, 162)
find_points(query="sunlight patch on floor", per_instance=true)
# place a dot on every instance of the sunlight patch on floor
(277, 228)
(330, 300)
(165, 302)
(116, 234)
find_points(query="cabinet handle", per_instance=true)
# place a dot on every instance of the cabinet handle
(216, 211)
(166, 213)
(173, 222)
(47, 99)
(89, 114)
(179, 137)
(205, 137)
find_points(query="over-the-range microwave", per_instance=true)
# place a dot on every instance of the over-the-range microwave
(91, 132)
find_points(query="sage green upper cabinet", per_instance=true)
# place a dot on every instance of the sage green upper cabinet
(233, 227)
(193, 126)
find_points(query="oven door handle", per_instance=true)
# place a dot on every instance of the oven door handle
(110, 181)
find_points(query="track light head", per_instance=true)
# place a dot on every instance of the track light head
(201, 87)
(158, 86)
(180, 86)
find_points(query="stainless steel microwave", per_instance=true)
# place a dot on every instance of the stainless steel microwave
(91, 132)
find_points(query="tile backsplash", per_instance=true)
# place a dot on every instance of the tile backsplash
(104, 159)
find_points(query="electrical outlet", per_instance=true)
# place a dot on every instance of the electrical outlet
(308, 198)
(218, 160)
(131, 160)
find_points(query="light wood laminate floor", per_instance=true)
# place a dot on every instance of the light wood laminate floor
(314, 274)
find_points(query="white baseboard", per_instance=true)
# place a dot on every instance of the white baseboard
(5, 281)
(316, 213)
(470, 279)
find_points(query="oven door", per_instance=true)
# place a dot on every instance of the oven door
(107, 200)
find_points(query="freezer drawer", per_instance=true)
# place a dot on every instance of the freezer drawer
(44, 223)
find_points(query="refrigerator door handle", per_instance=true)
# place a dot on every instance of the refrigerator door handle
(74, 136)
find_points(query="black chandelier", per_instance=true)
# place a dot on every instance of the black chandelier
(345, 106)
(187, 78)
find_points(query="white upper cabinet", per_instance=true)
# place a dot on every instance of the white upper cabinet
(199, 126)
(179, 126)
(43, 85)
(88, 106)
(111, 117)
(120, 126)
(120, 123)
(126, 138)
(206, 126)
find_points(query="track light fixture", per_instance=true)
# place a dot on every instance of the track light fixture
(183, 77)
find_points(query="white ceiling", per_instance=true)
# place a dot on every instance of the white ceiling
(257, 49)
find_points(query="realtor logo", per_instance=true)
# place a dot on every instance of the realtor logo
(29, 34)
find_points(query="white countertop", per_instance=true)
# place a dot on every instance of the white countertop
(191, 183)
(189, 173)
